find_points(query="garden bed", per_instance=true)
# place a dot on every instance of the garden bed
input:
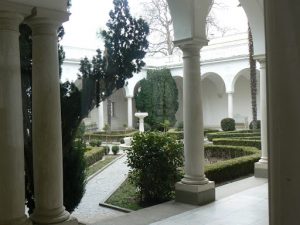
(239, 161)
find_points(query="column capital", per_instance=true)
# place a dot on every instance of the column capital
(229, 92)
(191, 43)
(14, 8)
(129, 96)
(45, 21)
(261, 60)
(10, 20)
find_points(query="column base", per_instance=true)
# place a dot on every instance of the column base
(70, 221)
(47, 216)
(261, 170)
(20, 221)
(195, 194)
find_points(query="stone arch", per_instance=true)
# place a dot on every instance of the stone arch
(214, 99)
(242, 111)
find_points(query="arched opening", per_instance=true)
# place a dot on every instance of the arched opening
(214, 100)
(118, 112)
(242, 106)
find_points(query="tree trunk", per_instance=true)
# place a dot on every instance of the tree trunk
(253, 82)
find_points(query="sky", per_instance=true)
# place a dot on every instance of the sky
(88, 16)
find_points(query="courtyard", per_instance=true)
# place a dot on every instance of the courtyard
(206, 135)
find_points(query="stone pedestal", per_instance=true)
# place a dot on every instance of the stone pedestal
(141, 116)
(195, 194)
(194, 188)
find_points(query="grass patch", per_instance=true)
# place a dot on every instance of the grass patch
(100, 164)
(125, 197)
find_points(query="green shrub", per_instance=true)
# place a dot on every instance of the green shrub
(178, 135)
(155, 159)
(237, 142)
(94, 155)
(95, 143)
(106, 150)
(227, 151)
(115, 149)
(88, 149)
(211, 136)
(74, 165)
(122, 141)
(258, 124)
(232, 168)
(228, 124)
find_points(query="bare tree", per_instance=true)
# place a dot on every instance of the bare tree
(157, 14)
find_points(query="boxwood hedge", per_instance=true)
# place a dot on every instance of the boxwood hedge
(94, 155)
(237, 142)
(234, 167)
(211, 136)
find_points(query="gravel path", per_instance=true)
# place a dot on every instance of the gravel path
(98, 189)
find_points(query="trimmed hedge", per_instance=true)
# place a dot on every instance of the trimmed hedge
(237, 142)
(232, 168)
(178, 135)
(109, 137)
(94, 155)
(228, 124)
(248, 138)
(210, 137)
(115, 149)
(208, 131)
(95, 143)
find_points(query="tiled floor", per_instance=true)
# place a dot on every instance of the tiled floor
(244, 202)
(249, 207)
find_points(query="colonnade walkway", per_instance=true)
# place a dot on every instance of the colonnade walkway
(243, 202)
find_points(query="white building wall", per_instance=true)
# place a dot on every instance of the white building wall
(226, 57)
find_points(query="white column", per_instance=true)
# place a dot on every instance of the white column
(46, 121)
(194, 185)
(12, 180)
(230, 104)
(283, 79)
(261, 167)
(101, 116)
(129, 108)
